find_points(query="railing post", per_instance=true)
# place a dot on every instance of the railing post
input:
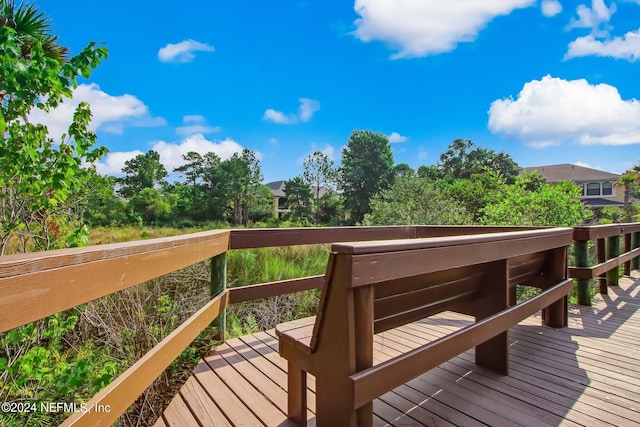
(612, 251)
(581, 248)
(627, 248)
(635, 243)
(219, 284)
(601, 252)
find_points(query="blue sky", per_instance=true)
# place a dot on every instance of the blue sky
(545, 81)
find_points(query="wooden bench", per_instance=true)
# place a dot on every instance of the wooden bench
(372, 287)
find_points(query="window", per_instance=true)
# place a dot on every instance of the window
(593, 189)
(607, 189)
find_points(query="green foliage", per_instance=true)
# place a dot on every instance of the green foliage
(610, 215)
(298, 196)
(367, 168)
(463, 159)
(152, 205)
(141, 172)
(319, 173)
(415, 201)
(38, 176)
(38, 364)
(240, 176)
(474, 194)
(331, 208)
(553, 205)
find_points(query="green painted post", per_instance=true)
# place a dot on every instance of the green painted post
(581, 248)
(219, 284)
(635, 243)
(613, 250)
(627, 248)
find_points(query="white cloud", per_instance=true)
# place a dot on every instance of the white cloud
(551, 8)
(114, 162)
(420, 28)
(182, 52)
(109, 113)
(596, 18)
(395, 137)
(551, 111)
(171, 153)
(306, 110)
(328, 150)
(422, 154)
(272, 115)
(626, 47)
(195, 124)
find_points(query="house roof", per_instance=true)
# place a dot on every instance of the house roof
(575, 173)
(277, 188)
(600, 203)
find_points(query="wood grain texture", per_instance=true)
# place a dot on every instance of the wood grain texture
(125, 389)
(36, 286)
(272, 289)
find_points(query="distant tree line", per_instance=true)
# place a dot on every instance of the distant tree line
(468, 185)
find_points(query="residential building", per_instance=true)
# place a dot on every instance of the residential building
(599, 188)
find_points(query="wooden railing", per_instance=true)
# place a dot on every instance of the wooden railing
(36, 285)
(615, 245)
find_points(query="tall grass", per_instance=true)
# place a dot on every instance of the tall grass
(247, 267)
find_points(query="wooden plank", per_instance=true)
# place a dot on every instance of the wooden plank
(377, 380)
(178, 414)
(35, 287)
(224, 397)
(431, 294)
(386, 246)
(381, 267)
(125, 389)
(603, 267)
(272, 289)
(244, 390)
(595, 232)
(269, 237)
(203, 409)
(459, 230)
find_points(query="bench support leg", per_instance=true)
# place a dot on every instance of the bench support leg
(494, 353)
(297, 394)
(557, 314)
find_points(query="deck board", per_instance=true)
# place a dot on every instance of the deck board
(585, 374)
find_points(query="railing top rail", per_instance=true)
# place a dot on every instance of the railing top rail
(12, 265)
(37, 285)
(268, 237)
(595, 232)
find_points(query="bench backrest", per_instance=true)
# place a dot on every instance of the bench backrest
(411, 279)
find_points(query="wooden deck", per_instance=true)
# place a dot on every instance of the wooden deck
(587, 374)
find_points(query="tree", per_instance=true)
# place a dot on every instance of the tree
(367, 168)
(318, 173)
(411, 201)
(240, 176)
(430, 172)
(298, 195)
(463, 158)
(628, 180)
(37, 173)
(403, 170)
(143, 171)
(555, 204)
